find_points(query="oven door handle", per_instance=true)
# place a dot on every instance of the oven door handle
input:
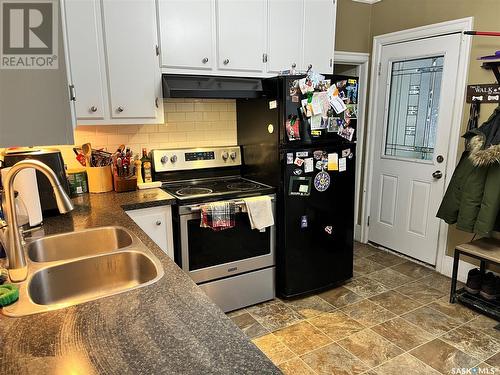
(239, 204)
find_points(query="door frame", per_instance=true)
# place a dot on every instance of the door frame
(362, 61)
(379, 41)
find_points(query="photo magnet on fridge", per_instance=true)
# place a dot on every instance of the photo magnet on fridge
(342, 164)
(308, 165)
(346, 152)
(298, 162)
(333, 162)
(289, 158)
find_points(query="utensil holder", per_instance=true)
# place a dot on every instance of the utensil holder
(100, 179)
(124, 183)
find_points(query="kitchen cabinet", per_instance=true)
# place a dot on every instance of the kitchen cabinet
(256, 38)
(241, 35)
(156, 222)
(285, 36)
(114, 67)
(319, 35)
(84, 35)
(188, 30)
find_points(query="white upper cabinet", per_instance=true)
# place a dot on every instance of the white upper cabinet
(187, 28)
(319, 35)
(285, 26)
(241, 27)
(133, 69)
(114, 67)
(84, 30)
(246, 37)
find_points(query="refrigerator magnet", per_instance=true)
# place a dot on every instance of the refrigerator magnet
(346, 152)
(346, 132)
(308, 165)
(329, 229)
(289, 158)
(318, 154)
(319, 165)
(297, 171)
(303, 222)
(342, 164)
(316, 133)
(302, 154)
(333, 162)
(299, 186)
(322, 181)
(298, 162)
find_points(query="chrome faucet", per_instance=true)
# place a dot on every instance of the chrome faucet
(10, 235)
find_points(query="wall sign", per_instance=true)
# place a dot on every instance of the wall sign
(488, 93)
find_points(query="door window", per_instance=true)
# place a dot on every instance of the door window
(412, 118)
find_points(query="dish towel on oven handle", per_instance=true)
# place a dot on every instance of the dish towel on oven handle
(218, 215)
(260, 211)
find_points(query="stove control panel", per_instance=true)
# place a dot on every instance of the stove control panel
(168, 160)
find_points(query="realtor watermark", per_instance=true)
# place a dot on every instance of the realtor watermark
(487, 370)
(29, 34)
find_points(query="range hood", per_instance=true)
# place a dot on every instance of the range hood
(194, 86)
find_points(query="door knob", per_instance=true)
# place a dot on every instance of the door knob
(205, 60)
(226, 61)
(158, 222)
(120, 109)
(294, 65)
(440, 158)
(93, 109)
(437, 175)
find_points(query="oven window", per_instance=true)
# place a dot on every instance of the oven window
(210, 248)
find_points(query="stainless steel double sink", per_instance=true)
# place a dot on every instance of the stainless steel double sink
(71, 268)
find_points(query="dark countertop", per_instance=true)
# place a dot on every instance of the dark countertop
(170, 327)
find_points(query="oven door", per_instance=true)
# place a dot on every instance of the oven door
(208, 255)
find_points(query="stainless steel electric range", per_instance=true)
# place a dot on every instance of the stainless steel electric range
(235, 267)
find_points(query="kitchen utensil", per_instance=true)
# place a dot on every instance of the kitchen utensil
(87, 151)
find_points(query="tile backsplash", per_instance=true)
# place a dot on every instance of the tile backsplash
(188, 123)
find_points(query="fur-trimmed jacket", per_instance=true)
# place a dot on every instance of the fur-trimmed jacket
(472, 199)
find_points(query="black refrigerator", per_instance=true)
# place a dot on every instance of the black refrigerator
(313, 168)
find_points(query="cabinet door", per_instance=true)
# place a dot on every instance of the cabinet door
(156, 222)
(319, 35)
(132, 65)
(285, 34)
(186, 29)
(241, 34)
(84, 49)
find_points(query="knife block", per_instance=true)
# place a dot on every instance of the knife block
(100, 179)
(123, 184)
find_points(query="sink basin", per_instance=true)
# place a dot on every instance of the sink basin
(77, 244)
(91, 278)
(72, 268)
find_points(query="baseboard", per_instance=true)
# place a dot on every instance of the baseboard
(357, 232)
(463, 268)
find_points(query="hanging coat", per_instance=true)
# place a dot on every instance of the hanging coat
(472, 199)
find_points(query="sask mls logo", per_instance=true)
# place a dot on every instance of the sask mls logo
(28, 34)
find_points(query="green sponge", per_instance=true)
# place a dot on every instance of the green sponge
(8, 294)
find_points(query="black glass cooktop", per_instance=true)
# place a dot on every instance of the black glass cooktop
(208, 188)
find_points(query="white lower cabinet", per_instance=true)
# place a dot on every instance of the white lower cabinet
(156, 222)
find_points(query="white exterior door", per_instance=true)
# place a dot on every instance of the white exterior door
(242, 30)
(285, 35)
(133, 67)
(186, 29)
(414, 117)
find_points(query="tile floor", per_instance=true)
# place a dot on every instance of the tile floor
(393, 317)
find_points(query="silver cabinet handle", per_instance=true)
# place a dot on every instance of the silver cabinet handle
(205, 60)
(93, 109)
(226, 61)
(294, 65)
(120, 109)
(158, 222)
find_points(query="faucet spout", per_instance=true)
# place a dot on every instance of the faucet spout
(18, 269)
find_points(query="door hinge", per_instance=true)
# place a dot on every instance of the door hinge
(72, 93)
(157, 50)
(379, 68)
(156, 102)
(368, 222)
(264, 57)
